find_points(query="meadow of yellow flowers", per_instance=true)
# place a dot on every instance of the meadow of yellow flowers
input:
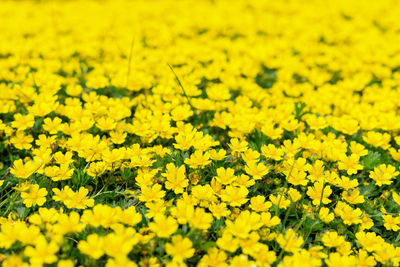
(200, 133)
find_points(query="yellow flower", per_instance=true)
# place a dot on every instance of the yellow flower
(347, 126)
(332, 239)
(235, 196)
(271, 151)
(316, 122)
(65, 263)
(22, 122)
(120, 261)
(119, 243)
(42, 251)
(201, 219)
(182, 211)
(106, 124)
(118, 137)
(336, 259)
(346, 183)
(297, 177)
(62, 195)
(369, 240)
(258, 203)
(93, 246)
(350, 164)
(69, 223)
(228, 242)
(112, 156)
(45, 141)
(78, 200)
(290, 241)
(219, 210)
(96, 168)
(386, 253)
(176, 178)
(198, 159)
(358, 149)
(318, 192)
(294, 195)
(225, 176)
(52, 126)
(130, 216)
(244, 224)
(163, 226)
(268, 220)
(348, 214)
(391, 223)
(100, 215)
(396, 198)
(279, 201)
(180, 248)
(214, 257)
(238, 146)
(364, 260)
(217, 155)
(155, 208)
(256, 170)
(354, 197)
(153, 193)
(366, 222)
(383, 174)
(23, 171)
(302, 256)
(74, 90)
(35, 196)
(377, 139)
(325, 215)
(59, 173)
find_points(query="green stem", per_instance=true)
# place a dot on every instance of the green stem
(287, 189)
(180, 84)
(295, 230)
(12, 201)
(322, 196)
(287, 215)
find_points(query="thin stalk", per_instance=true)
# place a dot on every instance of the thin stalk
(322, 196)
(180, 84)
(130, 61)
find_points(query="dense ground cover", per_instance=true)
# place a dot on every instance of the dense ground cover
(208, 133)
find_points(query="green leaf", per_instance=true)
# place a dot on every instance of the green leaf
(372, 160)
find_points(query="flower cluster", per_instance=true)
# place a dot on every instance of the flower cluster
(210, 133)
